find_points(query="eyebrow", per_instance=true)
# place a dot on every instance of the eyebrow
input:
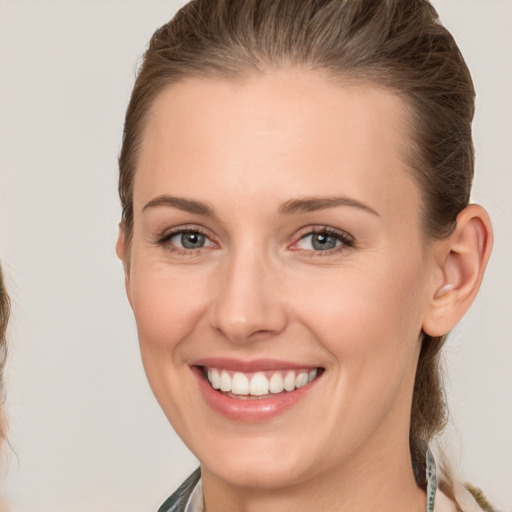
(187, 205)
(313, 204)
(303, 205)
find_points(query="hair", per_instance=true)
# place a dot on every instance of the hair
(396, 44)
(5, 309)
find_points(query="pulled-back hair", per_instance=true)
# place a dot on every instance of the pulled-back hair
(396, 44)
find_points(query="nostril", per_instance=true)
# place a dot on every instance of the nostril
(246, 309)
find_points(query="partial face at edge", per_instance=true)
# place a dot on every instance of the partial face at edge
(293, 237)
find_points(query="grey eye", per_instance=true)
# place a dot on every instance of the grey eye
(189, 240)
(319, 242)
(192, 240)
(323, 242)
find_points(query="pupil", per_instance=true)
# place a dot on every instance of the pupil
(322, 242)
(192, 240)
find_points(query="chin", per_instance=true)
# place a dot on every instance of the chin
(259, 473)
(261, 461)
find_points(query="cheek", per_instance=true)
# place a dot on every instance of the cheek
(167, 305)
(365, 309)
(369, 322)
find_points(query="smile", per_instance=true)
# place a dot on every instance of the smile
(258, 385)
(254, 391)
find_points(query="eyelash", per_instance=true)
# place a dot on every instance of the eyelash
(164, 239)
(347, 241)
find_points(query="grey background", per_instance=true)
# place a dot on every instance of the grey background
(86, 433)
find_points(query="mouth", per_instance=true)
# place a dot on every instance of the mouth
(254, 391)
(260, 384)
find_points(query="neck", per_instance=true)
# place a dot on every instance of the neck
(381, 479)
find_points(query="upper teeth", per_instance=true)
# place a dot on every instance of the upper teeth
(259, 383)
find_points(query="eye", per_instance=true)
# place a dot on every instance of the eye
(189, 240)
(318, 242)
(323, 240)
(185, 240)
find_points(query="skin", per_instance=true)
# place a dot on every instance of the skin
(259, 289)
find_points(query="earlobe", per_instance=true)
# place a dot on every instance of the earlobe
(462, 260)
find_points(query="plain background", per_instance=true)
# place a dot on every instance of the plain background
(86, 433)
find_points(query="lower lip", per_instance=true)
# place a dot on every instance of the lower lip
(252, 410)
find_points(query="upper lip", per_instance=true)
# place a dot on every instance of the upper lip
(254, 365)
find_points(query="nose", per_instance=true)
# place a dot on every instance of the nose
(248, 305)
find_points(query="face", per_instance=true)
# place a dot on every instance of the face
(277, 273)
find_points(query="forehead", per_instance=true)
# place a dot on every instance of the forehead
(282, 133)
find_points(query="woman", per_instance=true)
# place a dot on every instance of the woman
(298, 241)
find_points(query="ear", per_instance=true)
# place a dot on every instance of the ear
(122, 251)
(461, 259)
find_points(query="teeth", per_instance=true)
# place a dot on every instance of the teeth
(240, 384)
(214, 378)
(276, 384)
(225, 381)
(289, 381)
(301, 380)
(258, 384)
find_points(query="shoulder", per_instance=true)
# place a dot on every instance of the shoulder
(177, 501)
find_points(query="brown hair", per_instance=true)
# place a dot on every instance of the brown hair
(397, 44)
(5, 308)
